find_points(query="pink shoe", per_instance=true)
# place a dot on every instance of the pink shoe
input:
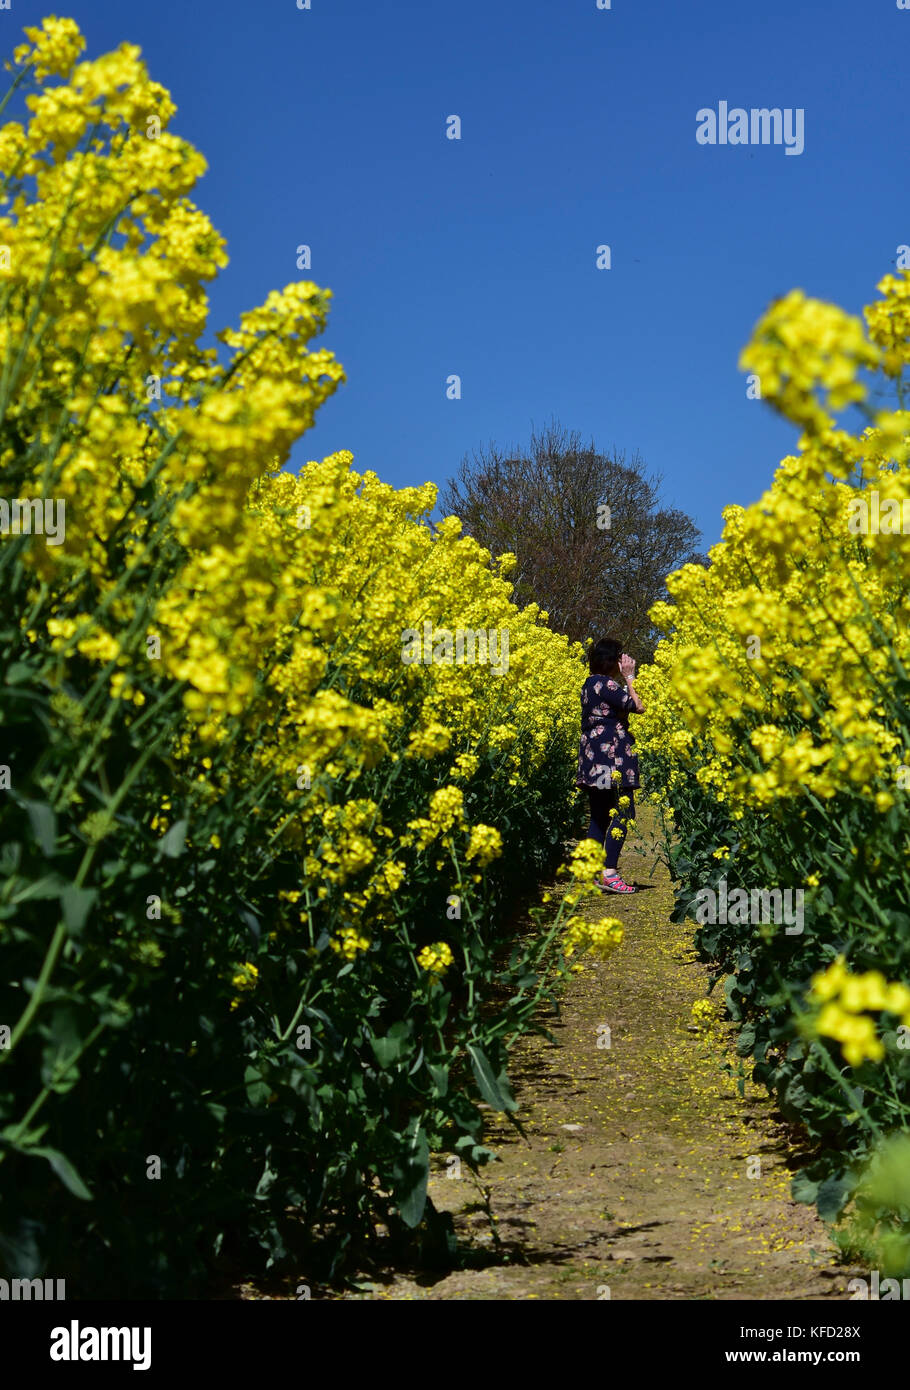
(612, 883)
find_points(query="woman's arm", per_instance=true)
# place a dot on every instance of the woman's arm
(627, 668)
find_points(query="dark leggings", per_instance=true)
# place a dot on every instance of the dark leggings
(606, 816)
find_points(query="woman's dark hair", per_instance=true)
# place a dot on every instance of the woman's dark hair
(604, 656)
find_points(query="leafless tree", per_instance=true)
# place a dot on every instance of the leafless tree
(593, 540)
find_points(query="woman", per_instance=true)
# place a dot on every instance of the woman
(607, 764)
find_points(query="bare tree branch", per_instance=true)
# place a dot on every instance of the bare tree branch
(543, 504)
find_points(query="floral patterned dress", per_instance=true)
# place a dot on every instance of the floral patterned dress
(606, 744)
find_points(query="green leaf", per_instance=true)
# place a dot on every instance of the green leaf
(494, 1089)
(19, 1246)
(65, 1172)
(43, 823)
(746, 1040)
(440, 1075)
(59, 1071)
(10, 857)
(48, 886)
(19, 671)
(831, 1197)
(25, 1142)
(172, 843)
(76, 904)
(414, 1199)
(391, 1048)
(795, 1096)
(257, 1090)
(803, 1189)
(266, 1181)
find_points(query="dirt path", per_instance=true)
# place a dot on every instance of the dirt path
(634, 1182)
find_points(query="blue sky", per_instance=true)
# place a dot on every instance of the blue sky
(477, 257)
